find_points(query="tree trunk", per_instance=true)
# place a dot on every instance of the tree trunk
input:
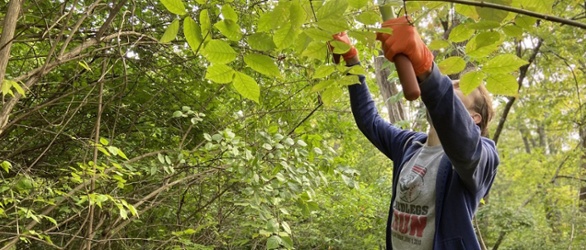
(583, 166)
(387, 90)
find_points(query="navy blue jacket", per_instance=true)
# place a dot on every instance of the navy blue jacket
(466, 171)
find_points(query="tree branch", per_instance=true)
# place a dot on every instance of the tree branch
(485, 4)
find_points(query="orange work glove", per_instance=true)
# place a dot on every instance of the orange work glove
(343, 37)
(405, 40)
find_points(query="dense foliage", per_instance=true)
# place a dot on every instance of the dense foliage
(223, 124)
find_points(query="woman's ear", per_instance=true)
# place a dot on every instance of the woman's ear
(477, 118)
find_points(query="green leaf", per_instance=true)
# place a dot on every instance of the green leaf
(330, 95)
(297, 15)
(323, 71)
(205, 22)
(286, 227)
(358, 4)
(266, 22)
(348, 80)
(104, 141)
(460, 33)
(178, 113)
(322, 85)
(452, 65)
(218, 51)
(493, 14)
(513, 31)
(220, 73)
(340, 47)
(246, 86)
(357, 70)
(318, 34)
(287, 242)
(540, 6)
(484, 25)
(84, 64)
(470, 81)
(503, 84)
(525, 22)
(333, 26)
(6, 166)
(316, 50)
(284, 37)
(192, 33)
(369, 17)
(333, 9)
(262, 64)
(503, 64)
(273, 242)
(483, 44)
(228, 13)
(175, 6)
(467, 10)
(261, 41)
(6, 87)
(170, 32)
(438, 44)
(230, 29)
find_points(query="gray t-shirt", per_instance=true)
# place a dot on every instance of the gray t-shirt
(413, 225)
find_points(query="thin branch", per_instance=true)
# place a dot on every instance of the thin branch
(485, 4)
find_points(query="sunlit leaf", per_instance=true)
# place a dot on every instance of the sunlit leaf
(273, 242)
(358, 4)
(502, 84)
(491, 13)
(452, 65)
(230, 29)
(284, 37)
(297, 15)
(438, 44)
(331, 94)
(170, 32)
(228, 13)
(318, 34)
(460, 33)
(192, 33)
(369, 17)
(470, 81)
(205, 22)
(219, 73)
(174, 6)
(262, 64)
(316, 50)
(219, 52)
(467, 10)
(503, 64)
(333, 9)
(340, 47)
(333, 25)
(261, 41)
(322, 85)
(246, 86)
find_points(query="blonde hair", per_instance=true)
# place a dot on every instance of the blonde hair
(482, 104)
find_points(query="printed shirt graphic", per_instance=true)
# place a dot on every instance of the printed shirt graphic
(413, 225)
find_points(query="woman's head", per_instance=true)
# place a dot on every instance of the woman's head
(479, 104)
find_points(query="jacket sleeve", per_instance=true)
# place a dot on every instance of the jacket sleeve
(389, 139)
(474, 158)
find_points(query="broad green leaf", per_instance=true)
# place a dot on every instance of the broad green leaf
(273, 242)
(175, 6)
(297, 15)
(318, 35)
(170, 32)
(340, 47)
(287, 242)
(322, 85)
(502, 84)
(503, 64)
(266, 22)
(438, 44)
(6, 87)
(6, 166)
(460, 33)
(348, 80)
(192, 33)
(357, 70)
(316, 50)
(333, 9)
(284, 37)
(331, 94)
(452, 65)
(493, 14)
(323, 71)
(487, 38)
(540, 6)
(467, 10)
(333, 26)
(229, 13)
(302, 41)
(104, 141)
(18, 88)
(525, 22)
(246, 86)
(219, 52)
(483, 44)
(484, 25)
(364, 37)
(219, 73)
(262, 64)
(369, 17)
(358, 4)
(513, 31)
(470, 81)
(286, 227)
(230, 29)
(261, 41)
(205, 22)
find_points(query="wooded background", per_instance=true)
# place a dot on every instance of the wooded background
(212, 124)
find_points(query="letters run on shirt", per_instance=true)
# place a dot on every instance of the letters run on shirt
(412, 222)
